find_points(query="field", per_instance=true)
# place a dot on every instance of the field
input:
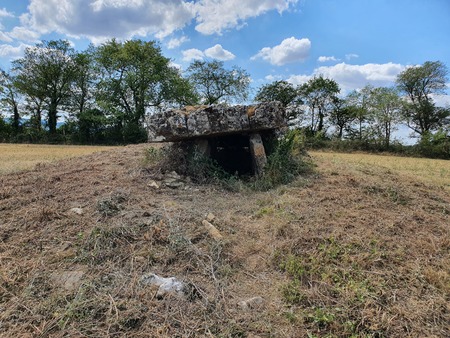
(17, 157)
(436, 172)
(360, 247)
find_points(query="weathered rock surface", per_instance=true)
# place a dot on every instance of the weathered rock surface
(215, 120)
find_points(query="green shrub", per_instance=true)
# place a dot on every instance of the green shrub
(285, 162)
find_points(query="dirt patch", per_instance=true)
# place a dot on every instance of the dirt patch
(346, 251)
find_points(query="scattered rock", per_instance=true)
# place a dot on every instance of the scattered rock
(153, 184)
(210, 217)
(173, 175)
(77, 211)
(174, 181)
(251, 303)
(213, 232)
(68, 280)
(167, 286)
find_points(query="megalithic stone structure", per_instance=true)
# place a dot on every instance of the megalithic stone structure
(216, 126)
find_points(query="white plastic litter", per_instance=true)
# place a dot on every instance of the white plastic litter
(170, 285)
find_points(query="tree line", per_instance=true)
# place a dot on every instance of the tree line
(103, 94)
(367, 118)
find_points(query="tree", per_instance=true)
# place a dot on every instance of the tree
(9, 98)
(283, 92)
(45, 74)
(135, 77)
(419, 84)
(215, 84)
(83, 85)
(360, 103)
(319, 93)
(385, 108)
(342, 116)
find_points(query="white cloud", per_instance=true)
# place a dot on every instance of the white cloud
(298, 79)
(4, 37)
(441, 100)
(217, 52)
(351, 56)
(215, 16)
(5, 14)
(192, 54)
(24, 34)
(99, 20)
(103, 19)
(352, 77)
(175, 65)
(290, 50)
(176, 42)
(327, 58)
(272, 78)
(12, 52)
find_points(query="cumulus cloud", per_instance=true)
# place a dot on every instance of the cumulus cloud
(24, 34)
(5, 38)
(217, 52)
(192, 54)
(273, 78)
(327, 58)
(176, 42)
(357, 76)
(441, 100)
(215, 16)
(290, 50)
(5, 14)
(299, 79)
(103, 19)
(99, 20)
(352, 77)
(12, 52)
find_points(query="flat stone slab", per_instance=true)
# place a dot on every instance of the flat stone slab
(215, 120)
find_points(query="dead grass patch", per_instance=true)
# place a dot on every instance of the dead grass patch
(353, 250)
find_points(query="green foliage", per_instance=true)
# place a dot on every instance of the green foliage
(284, 163)
(45, 74)
(435, 145)
(214, 83)
(5, 130)
(319, 94)
(419, 83)
(134, 77)
(329, 269)
(283, 92)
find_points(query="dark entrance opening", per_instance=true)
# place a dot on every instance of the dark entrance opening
(232, 153)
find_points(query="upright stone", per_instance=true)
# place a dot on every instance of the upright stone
(258, 153)
(203, 147)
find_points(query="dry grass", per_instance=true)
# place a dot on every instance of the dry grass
(354, 250)
(17, 157)
(433, 171)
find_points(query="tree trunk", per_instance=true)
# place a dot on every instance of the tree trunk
(52, 117)
(16, 118)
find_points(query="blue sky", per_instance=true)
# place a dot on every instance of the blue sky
(355, 42)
